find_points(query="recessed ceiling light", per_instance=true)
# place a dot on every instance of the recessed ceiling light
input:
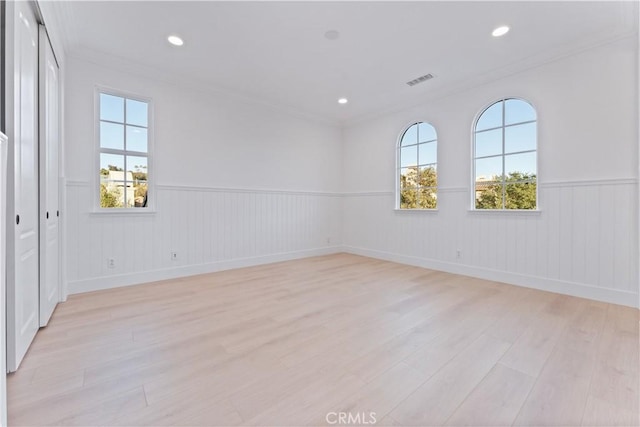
(343, 101)
(332, 35)
(175, 40)
(500, 31)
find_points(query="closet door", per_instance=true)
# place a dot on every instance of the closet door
(49, 210)
(23, 284)
(3, 344)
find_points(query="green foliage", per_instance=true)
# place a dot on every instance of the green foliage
(105, 172)
(139, 173)
(140, 190)
(418, 188)
(109, 198)
(519, 192)
(139, 176)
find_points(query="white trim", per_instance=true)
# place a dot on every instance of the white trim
(589, 183)
(248, 190)
(220, 190)
(543, 185)
(613, 296)
(453, 190)
(416, 210)
(3, 284)
(116, 281)
(507, 212)
(368, 194)
(636, 18)
(71, 183)
(123, 212)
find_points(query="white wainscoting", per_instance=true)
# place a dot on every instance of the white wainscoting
(210, 229)
(583, 242)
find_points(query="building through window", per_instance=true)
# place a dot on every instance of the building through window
(124, 144)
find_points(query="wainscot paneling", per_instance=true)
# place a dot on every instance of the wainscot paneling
(582, 242)
(209, 229)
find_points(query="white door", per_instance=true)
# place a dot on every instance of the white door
(23, 281)
(49, 210)
(3, 347)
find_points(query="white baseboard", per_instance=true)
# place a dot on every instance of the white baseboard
(116, 281)
(629, 299)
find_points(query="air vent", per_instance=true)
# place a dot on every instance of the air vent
(420, 79)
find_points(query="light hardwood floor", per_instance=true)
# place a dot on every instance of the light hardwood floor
(288, 343)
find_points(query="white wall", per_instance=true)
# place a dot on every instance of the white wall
(237, 184)
(240, 184)
(584, 240)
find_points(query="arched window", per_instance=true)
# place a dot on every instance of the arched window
(505, 159)
(417, 162)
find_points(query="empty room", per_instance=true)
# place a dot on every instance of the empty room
(310, 213)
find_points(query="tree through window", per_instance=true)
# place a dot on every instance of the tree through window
(505, 156)
(124, 151)
(417, 167)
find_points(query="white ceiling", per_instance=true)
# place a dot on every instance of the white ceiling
(276, 52)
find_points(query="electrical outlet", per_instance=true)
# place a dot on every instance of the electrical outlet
(458, 253)
(111, 263)
(174, 256)
(328, 240)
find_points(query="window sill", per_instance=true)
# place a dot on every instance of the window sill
(432, 211)
(124, 212)
(513, 212)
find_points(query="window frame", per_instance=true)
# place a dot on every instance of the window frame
(151, 194)
(398, 166)
(474, 132)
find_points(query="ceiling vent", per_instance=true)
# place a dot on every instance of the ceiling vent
(420, 79)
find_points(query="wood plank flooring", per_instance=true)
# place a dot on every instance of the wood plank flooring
(335, 336)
